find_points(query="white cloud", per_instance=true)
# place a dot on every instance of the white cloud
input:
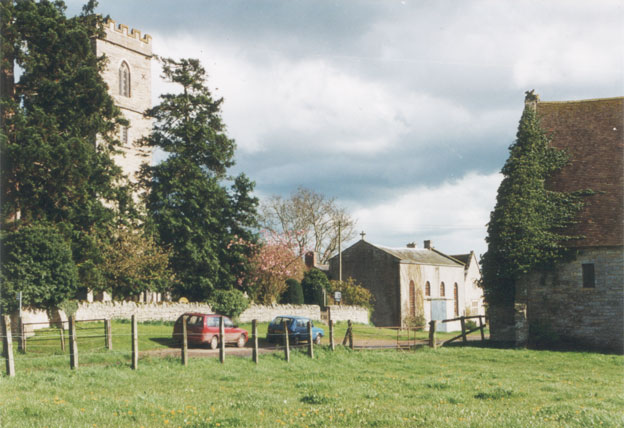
(453, 214)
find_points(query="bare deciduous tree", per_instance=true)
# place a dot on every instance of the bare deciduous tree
(315, 216)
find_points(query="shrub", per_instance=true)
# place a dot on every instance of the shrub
(470, 324)
(416, 321)
(37, 261)
(294, 292)
(228, 302)
(313, 284)
(352, 293)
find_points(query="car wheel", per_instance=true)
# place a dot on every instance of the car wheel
(317, 340)
(214, 342)
(241, 341)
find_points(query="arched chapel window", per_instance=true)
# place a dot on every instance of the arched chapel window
(427, 289)
(442, 291)
(124, 79)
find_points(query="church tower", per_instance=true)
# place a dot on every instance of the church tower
(129, 79)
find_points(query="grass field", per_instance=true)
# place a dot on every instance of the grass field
(447, 387)
(46, 344)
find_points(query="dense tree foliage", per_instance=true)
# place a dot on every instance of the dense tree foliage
(351, 292)
(527, 227)
(294, 293)
(228, 302)
(315, 284)
(36, 260)
(272, 263)
(135, 263)
(190, 209)
(53, 170)
(315, 219)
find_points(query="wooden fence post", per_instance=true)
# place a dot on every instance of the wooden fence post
(135, 343)
(310, 340)
(462, 320)
(22, 336)
(286, 342)
(221, 339)
(350, 331)
(184, 341)
(433, 325)
(332, 345)
(346, 338)
(254, 332)
(62, 334)
(108, 330)
(8, 345)
(481, 328)
(73, 344)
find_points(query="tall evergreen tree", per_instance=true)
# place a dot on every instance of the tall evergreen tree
(191, 210)
(527, 227)
(53, 171)
(52, 168)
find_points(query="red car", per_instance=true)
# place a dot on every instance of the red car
(203, 329)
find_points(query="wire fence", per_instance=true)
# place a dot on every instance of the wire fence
(98, 341)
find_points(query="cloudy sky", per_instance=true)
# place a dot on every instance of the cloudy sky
(401, 110)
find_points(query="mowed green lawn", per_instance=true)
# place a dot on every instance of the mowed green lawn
(447, 387)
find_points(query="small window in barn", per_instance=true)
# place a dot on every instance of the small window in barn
(589, 276)
(124, 79)
(456, 299)
(427, 289)
(442, 291)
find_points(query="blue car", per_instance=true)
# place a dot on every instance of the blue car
(297, 330)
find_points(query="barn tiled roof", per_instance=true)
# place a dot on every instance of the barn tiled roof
(591, 131)
(420, 256)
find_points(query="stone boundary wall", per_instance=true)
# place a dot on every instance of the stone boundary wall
(356, 314)
(170, 311)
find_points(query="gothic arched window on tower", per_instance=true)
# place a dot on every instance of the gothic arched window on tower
(442, 290)
(124, 79)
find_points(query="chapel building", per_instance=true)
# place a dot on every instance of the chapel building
(407, 281)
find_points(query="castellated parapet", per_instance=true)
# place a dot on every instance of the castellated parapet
(128, 75)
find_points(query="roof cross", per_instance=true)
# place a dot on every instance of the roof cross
(362, 235)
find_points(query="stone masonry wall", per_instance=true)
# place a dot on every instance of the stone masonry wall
(376, 271)
(594, 317)
(168, 311)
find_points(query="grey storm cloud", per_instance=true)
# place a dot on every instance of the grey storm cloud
(383, 103)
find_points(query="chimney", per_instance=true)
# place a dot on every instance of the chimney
(310, 259)
(411, 245)
(531, 99)
(428, 245)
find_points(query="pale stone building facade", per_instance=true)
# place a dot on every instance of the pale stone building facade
(129, 79)
(128, 74)
(395, 276)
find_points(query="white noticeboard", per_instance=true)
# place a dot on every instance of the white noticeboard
(337, 296)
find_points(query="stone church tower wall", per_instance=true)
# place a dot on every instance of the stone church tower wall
(130, 52)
